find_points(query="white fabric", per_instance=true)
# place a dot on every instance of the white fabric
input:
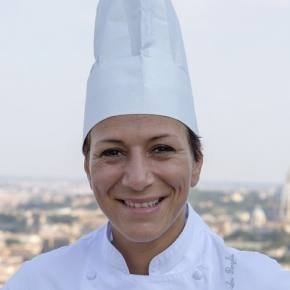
(198, 259)
(140, 65)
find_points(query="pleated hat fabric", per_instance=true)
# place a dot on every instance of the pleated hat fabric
(140, 64)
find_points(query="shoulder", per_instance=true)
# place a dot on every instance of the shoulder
(66, 262)
(67, 255)
(259, 271)
(243, 270)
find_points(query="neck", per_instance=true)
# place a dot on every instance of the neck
(139, 254)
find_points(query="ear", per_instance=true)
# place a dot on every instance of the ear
(87, 167)
(196, 169)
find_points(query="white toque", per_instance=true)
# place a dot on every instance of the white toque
(140, 65)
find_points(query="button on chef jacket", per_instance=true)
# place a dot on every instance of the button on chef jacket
(198, 259)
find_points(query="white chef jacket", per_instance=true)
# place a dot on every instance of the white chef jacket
(197, 260)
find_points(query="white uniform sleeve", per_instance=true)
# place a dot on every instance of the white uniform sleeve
(259, 272)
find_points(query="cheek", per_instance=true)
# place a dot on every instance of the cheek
(103, 178)
(177, 175)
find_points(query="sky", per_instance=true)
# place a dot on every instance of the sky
(239, 60)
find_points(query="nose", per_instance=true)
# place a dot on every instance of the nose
(137, 173)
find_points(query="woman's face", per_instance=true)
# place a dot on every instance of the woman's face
(140, 168)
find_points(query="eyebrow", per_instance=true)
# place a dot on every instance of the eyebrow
(117, 141)
(160, 137)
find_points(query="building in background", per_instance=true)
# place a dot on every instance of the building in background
(285, 200)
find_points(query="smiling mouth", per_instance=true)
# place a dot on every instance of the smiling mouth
(144, 204)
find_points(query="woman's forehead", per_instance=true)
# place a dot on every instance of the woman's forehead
(142, 125)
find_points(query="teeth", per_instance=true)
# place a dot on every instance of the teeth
(141, 204)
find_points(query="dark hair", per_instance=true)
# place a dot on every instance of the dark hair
(195, 145)
(193, 140)
(87, 144)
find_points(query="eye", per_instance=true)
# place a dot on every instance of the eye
(161, 148)
(112, 153)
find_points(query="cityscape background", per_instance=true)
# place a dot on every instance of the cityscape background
(37, 216)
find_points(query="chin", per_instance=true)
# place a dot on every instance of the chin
(142, 235)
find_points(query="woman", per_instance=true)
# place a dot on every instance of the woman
(142, 155)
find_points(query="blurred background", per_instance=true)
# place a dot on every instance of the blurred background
(239, 62)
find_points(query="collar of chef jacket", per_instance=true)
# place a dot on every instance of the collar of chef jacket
(176, 258)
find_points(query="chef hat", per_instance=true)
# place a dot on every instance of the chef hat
(140, 65)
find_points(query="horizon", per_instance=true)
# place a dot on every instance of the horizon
(203, 185)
